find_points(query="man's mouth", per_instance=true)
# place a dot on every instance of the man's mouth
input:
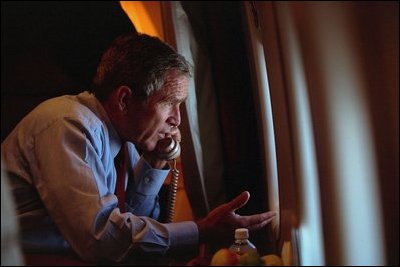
(163, 135)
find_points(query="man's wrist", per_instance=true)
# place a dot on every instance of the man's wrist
(155, 162)
(158, 164)
(202, 231)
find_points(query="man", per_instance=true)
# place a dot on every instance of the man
(61, 161)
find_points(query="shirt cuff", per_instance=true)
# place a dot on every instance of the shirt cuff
(183, 234)
(147, 179)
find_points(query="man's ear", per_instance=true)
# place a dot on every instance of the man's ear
(124, 94)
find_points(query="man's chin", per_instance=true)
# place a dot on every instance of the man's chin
(149, 146)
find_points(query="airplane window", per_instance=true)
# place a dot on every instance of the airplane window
(265, 115)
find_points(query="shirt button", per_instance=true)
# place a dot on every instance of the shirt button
(146, 180)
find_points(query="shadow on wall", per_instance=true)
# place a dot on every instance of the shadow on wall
(50, 49)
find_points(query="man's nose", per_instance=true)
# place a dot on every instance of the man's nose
(175, 118)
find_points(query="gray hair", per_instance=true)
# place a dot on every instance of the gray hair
(138, 61)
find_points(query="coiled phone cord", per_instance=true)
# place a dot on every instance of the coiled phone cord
(173, 188)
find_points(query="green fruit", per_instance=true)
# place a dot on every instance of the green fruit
(251, 258)
(272, 260)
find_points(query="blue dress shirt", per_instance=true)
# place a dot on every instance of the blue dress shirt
(60, 158)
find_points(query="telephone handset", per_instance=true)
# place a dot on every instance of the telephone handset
(169, 149)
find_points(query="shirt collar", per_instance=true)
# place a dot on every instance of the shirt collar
(90, 100)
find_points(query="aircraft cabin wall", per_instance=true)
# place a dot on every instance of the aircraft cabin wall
(296, 102)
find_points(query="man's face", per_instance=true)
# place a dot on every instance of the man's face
(147, 123)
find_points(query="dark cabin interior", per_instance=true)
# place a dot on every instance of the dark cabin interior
(52, 48)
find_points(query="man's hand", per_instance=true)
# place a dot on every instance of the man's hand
(222, 221)
(154, 161)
